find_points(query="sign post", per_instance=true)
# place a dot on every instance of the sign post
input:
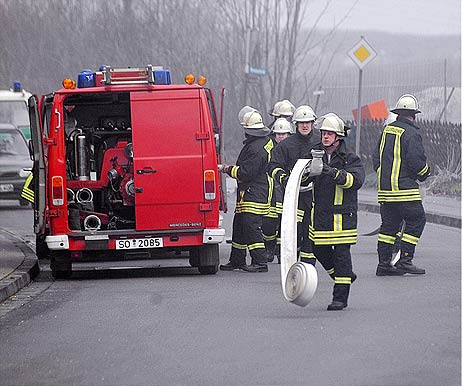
(361, 53)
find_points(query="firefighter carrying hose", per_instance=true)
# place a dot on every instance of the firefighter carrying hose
(254, 188)
(335, 207)
(283, 159)
(400, 162)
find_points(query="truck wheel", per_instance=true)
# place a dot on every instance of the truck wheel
(194, 257)
(209, 258)
(60, 264)
(41, 248)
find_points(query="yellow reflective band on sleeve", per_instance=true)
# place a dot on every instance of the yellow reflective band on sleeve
(387, 239)
(256, 246)
(269, 237)
(252, 207)
(349, 181)
(330, 271)
(407, 238)
(239, 246)
(342, 280)
(234, 170)
(300, 214)
(423, 171)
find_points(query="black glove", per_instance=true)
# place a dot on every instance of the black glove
(330, 171)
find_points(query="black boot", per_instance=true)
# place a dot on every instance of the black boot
(386, 269)
(405, 264)
(340, 297)
(230, 266)
(255, 268)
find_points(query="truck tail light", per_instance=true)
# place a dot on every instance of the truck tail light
(209, 185)
(57, 190)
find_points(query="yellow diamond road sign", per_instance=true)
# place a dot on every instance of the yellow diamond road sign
(362, 53)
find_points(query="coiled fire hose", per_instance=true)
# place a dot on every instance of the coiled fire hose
(299, 280)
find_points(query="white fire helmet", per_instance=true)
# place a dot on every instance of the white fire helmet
(275, 111)
(331, 122)
(244, 111)
(303, 113)
(285, 108)
(406, 104)
(253, 124)
(281, 126)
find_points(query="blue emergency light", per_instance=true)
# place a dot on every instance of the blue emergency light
(16, 86)
(86, 78)
(162, 77)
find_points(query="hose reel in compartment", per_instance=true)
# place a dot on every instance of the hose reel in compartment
(100, 180)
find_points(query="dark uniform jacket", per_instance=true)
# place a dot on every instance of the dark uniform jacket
(335, 200)
(400, 161)
(284, 158)
(253, 183)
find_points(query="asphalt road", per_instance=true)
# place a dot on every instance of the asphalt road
(175, 327)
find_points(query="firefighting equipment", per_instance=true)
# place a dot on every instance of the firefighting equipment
(406, 103)
(299, 280)
(223, 168)
(303, 113)
(331, 122)
(253, 124)
(281, 126)
(243, 111)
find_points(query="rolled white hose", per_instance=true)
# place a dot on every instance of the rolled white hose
(299, 280)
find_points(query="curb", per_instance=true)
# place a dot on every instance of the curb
(431, 217)
(23, 274)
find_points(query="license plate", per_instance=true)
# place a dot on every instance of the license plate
(6, 187)
(153, 242)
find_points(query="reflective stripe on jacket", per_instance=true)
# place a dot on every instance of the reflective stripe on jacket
(334, 215)
(254, 186)
(400, 161)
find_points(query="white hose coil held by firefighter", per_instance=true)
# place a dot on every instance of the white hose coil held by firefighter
(299, 280)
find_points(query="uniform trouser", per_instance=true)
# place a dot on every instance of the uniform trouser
(336, 260)
(304, 242)
(270, 227)
(247, 234)
(393, 213)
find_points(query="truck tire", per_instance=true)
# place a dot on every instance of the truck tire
(209, 258)
(60, 264)
(41, 248)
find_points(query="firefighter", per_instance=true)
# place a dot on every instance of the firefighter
(254, 188)
(280, 130)
(283, 159)
(335, 207)
(400, 162)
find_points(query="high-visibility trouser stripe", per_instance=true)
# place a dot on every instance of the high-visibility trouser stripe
(407, 238)
(387, 239)
(307, 255)
(234, 171)
(269, 237)
(28, 194)
(252, 207)
(256, 246)
(330, 271)
(342, 280)
(275, 171)
(349, 181)
(239, 246)
(333, 237)
(423, 171)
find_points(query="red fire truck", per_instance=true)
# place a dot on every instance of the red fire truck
(125, 167)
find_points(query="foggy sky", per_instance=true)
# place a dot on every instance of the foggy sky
(417, 17)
